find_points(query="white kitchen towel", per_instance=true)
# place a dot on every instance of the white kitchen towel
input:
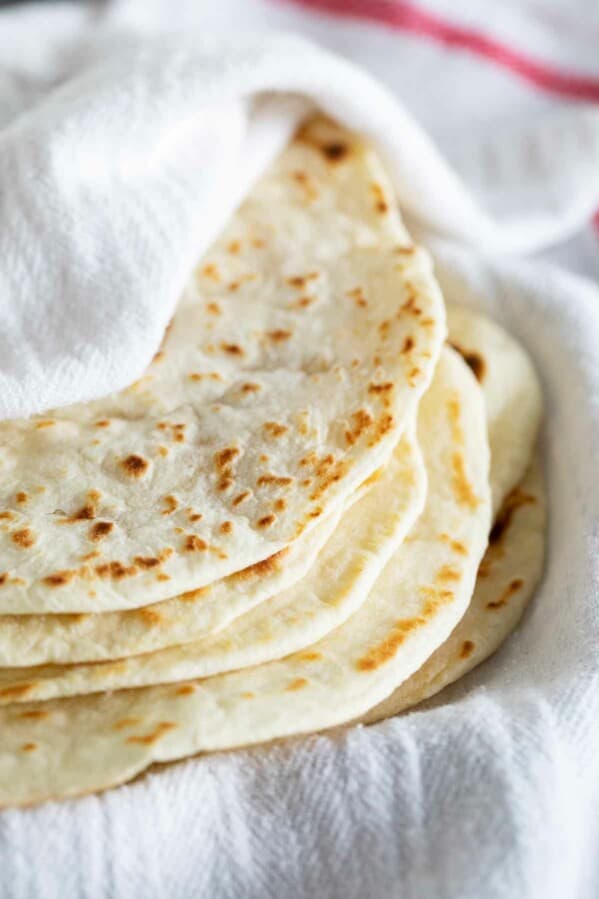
(104, 205)
(115, 178)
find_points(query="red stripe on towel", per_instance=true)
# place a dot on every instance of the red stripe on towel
(405, 16)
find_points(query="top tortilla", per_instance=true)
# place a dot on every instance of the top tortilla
(294, 360)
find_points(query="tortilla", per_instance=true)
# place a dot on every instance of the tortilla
(331, 590)
(511, 390)
(507, 577)
(46, 748)
(294, 361)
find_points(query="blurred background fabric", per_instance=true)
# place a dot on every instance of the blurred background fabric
(509, 92)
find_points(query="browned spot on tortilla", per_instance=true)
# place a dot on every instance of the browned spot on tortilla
(413, 374)
(126, 722)
(274, 429)
(23, 538)
(185, 690)
(434, 598)
(75, 617)
(134, 466)
(158, 356)
(225, 456)
(116, 570)
(225, 483)
(266, 521)
(453, 409)
(380, 388)
(35, 715)
(513, 501)
(87, 512)
(177, 430)
(213, 309)
(273, 480)
(448, 573)
(385, 424)
(204, 376)
(280, 504)
(467, 649)
(454, 544)
(163, 451)
(302, 280)
(404, 250)
(6, 516)
(248, 695)
(335, 151)
(21, 497)
(29, 747)
(383, 329)
(234, 246)
(372, 479)
(380, 201)
(361, 421)
(210, 270)
(194, 544)
(279, 335)
(159, 731)
(509, 591)
(241, 498)
(306, 183)
(59, 578)
(461, 485)
(147, 561)
(473, 360)
(48, 423)
(170, 504)
(233, 349)
(309, 656)
(329, 475)
(18, 691)
(226, 527)
(298, 684)
(250, 387)
(102, 423)
(408, 345)
(357, 294)
(149, 616)
(410, 304)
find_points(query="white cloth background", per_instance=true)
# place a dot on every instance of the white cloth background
(109, 186)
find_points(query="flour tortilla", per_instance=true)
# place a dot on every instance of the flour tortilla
(513, 403)
(511, 390)
(70, 746)
(332, 589)
(508, 575)
(292, 364)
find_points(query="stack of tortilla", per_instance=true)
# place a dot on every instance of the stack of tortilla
(319, 505)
